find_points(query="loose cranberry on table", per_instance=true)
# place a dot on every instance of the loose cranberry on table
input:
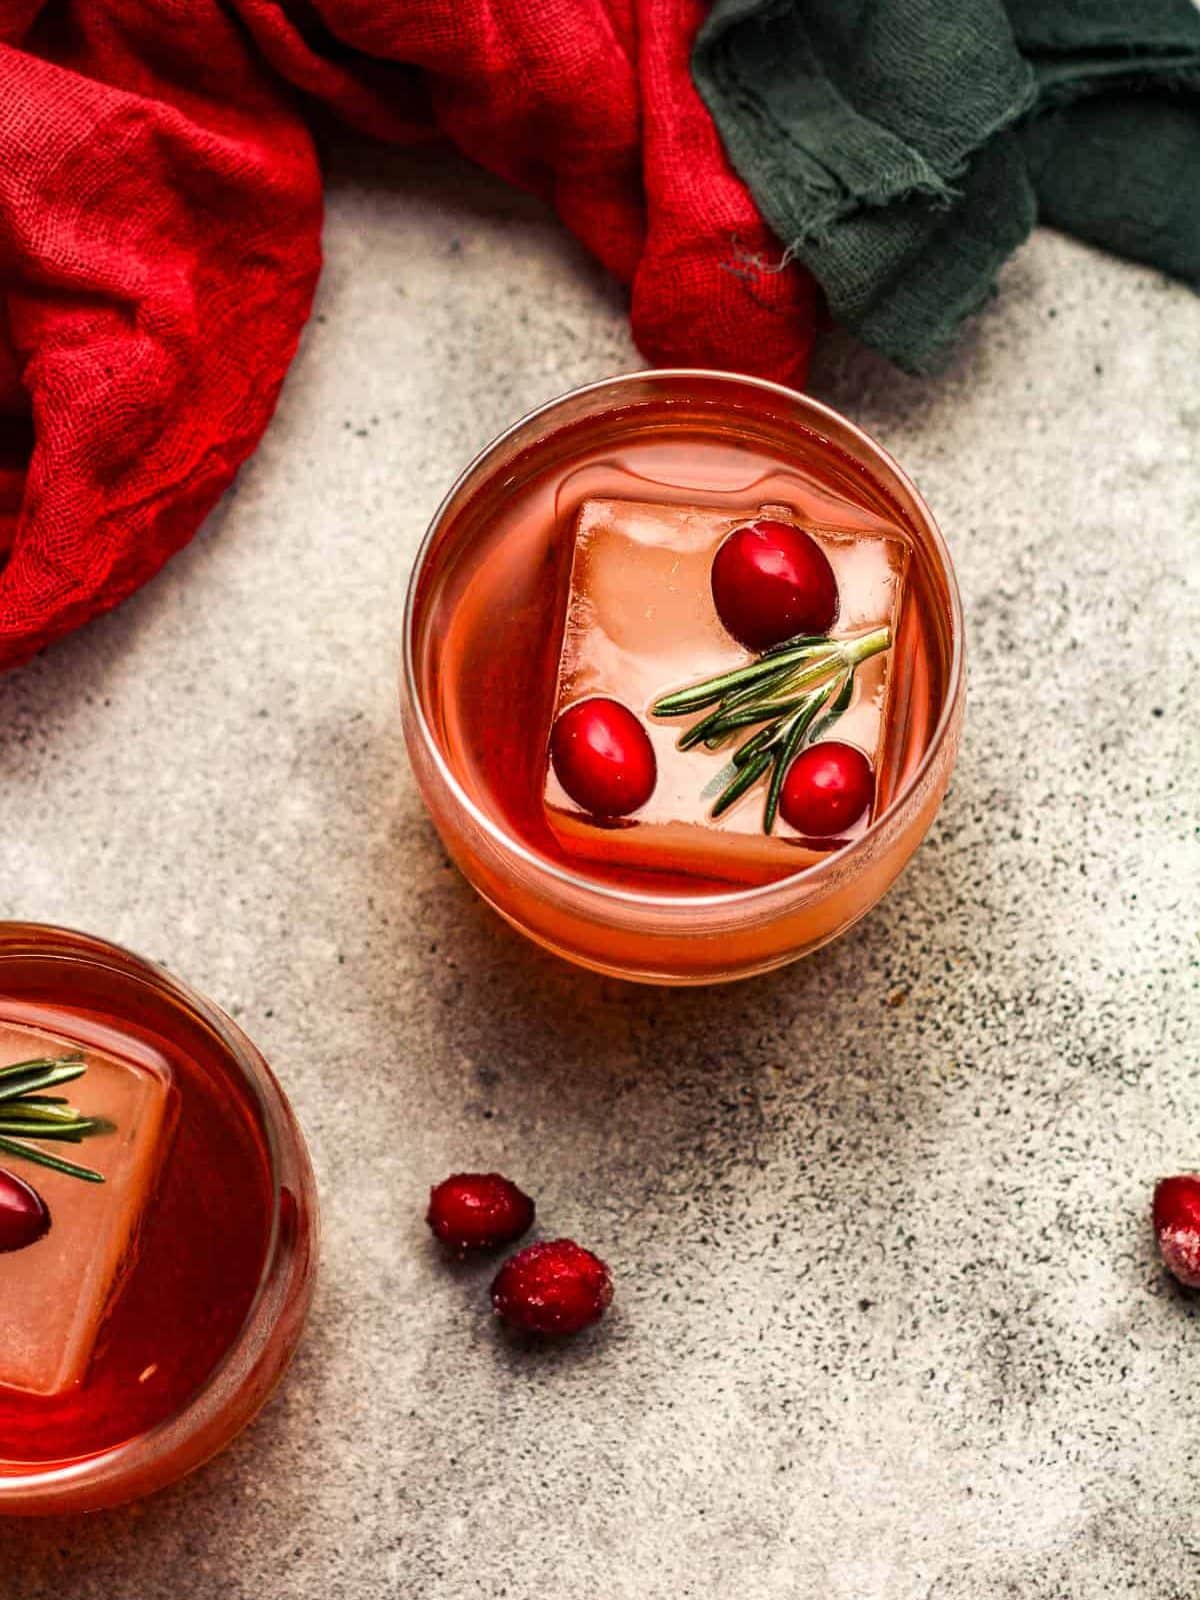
(603, 757)
(826, 790)
(478, 1211)
(1177, 1226)
(772, 581)
(24, 1217)
(553, 1287)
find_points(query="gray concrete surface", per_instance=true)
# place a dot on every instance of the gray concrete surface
(889, 1324)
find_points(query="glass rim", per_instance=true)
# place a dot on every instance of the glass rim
(617, 895)
(41, 1485)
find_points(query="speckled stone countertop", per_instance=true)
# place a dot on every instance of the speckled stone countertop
(889, 1324)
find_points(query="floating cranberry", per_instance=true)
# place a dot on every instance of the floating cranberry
(553, 1287)
(826, 790)
(603, 757)
(24, 1217)
(1177, 1226)
(478, 1211)
(772, 581)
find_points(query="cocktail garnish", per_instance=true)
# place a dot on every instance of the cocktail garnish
(797, 691)
(28, 1112)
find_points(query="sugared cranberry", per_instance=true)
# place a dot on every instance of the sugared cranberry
(553, 1287)
(771, 581)
(603, 757)
(826, 790)
(478, 1211)
(24, 1217)
(1177, 1226)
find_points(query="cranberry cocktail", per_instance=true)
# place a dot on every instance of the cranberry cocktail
(676, 645)
(141, 1213)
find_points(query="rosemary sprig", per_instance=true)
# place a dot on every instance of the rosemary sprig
(797, 690)
(26, 1113)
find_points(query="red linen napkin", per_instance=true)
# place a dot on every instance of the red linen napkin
(160, 211)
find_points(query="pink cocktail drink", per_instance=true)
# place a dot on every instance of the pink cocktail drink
(157, 1223)
(579, 592)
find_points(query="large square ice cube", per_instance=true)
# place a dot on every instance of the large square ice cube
(641, 622)
(54, 1295)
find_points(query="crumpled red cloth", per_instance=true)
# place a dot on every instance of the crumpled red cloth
(160, 215)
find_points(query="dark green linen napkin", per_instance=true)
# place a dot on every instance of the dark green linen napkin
(901, 149)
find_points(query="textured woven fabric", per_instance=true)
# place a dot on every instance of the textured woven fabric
(160, 211)
(902, 148)
(1114, 150)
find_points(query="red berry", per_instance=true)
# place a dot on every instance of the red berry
(24, 1217)
(772, 581)
(553, 1287)
(478, 1211)
(1177, 1225)
(603, 757)
(826, 790)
